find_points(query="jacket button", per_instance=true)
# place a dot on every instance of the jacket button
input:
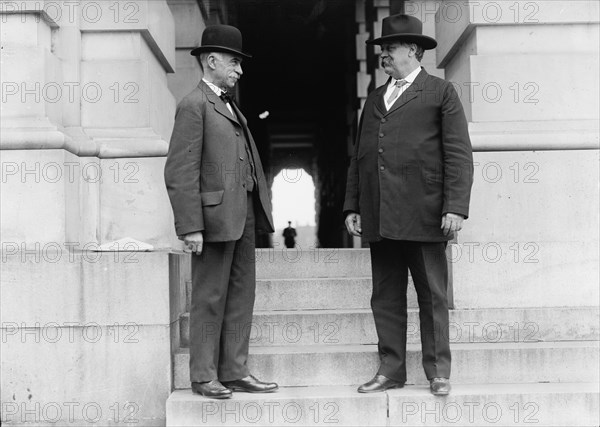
(244, 185)
(381, 168)
(380, 150)
(383, 120)
(241, 158)
(381, 135)
(237, 134)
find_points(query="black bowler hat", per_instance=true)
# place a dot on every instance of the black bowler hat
(403, 28)
(221, 38)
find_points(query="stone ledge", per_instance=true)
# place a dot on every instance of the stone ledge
(481, 363)
(554, 404)
(153, 19)
(456, 20)
(115, 371)
(28, 7)
(333, 327)
(101, 143)
(535, 135)
(189, 23)
(333, 405)
(42, 288)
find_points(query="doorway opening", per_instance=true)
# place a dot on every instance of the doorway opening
(299, 95)
(293, 193)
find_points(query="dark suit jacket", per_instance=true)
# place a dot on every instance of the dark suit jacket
(204, 174)
(411, 164)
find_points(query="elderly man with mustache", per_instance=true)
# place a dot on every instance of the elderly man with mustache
(408, 192)
(219, 197)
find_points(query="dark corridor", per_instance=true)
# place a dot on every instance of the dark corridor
(303, 72)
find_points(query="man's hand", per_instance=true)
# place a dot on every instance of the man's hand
(353, 224)
(451, 223)
(193, 242)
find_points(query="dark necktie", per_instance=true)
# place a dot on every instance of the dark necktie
(226, 97)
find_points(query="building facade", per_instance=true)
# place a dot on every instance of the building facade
(90, 322)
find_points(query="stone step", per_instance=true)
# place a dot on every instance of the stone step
(314, 293)
(282, 263)
(555, 404)
(472, 363)
(318, 293)
(333, 327)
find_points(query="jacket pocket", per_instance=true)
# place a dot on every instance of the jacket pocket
(212, 198)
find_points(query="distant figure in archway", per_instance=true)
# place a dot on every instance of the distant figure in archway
(289, 236)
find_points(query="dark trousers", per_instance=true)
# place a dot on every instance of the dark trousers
(391, 260)
(223, 287)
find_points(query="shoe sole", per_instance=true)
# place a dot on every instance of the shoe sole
(243, 390)
(225, 396)
(440, 393)
(381, 391)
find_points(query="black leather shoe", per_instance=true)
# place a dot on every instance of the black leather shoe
(250, 385)
(379, 383)
(212, 389)
(439, 386)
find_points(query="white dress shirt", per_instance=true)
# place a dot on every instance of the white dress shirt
(218, 91)
(392, 85)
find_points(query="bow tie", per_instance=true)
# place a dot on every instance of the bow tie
(226, 97)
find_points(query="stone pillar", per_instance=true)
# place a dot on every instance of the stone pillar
(189, 25)
(86, 118)
(425, 10)
(527, 74)
(85, 122)
(381, 10)
(363, 78)
(189, 20)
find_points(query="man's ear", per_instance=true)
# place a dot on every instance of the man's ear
(211, 60)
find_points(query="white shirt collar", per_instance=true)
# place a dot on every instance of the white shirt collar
(410, 78)
(216, 89)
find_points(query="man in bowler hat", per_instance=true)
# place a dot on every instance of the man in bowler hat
(408, 192)
(219, 197)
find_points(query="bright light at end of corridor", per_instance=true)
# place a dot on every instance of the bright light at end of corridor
(293, 198)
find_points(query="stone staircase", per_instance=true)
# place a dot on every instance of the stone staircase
(314, 334)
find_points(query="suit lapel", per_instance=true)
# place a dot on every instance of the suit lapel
(238, 113)
(379, 101)
(246, 130)
(411, 92)
(218, 103)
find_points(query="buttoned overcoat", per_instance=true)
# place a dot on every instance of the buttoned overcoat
(411, 164)
(206, 169)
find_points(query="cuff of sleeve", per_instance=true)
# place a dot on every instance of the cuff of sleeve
(455, 212)
(184, 231)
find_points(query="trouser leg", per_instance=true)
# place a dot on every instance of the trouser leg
(429, 270)
(239, 305)
(223, 287)
(388, 302)
(210, 278)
